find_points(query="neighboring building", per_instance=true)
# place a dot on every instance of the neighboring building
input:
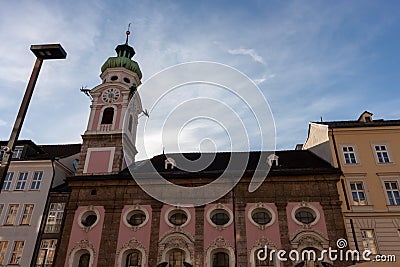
(111, 221)
(34, 170)
(51, 228)
(368, 153)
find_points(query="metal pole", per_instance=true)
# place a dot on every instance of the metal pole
(7, 155)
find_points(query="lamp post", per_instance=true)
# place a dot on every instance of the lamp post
(42, 52)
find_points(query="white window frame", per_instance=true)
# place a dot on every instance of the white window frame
(17, 252)
(13, 214)
(47, 245)
(369, 242)
(23, 181)
(391, 180)
(364, 190)
(36, 180)
(27, 214)
(54, 217)
(381, 151)
(8, 181)
(344, 153)
(3, 250)
(17, 153)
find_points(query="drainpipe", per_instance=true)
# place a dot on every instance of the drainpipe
(234, 224)
(353, 233)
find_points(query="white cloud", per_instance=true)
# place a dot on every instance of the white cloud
(2, 123)
(247, 52)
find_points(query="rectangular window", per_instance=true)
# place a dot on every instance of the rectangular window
(358, 193)
(46, 253)
(17, 252)
(368, 241)
(349, 155)
(17, 152)
(54, 218)
(27, 215)
(37, 179)
(7, 181)
(11, 214)
(23, 177)
(392, 191)
(3, 250)
(382, 154)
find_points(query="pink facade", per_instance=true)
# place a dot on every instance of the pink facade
(256, 235)
(131, 237)
(85, 239)
(99, 161)
(294, 227)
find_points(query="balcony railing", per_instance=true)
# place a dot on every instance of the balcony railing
(105, 127)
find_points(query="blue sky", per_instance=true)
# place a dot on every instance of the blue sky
(311, 59)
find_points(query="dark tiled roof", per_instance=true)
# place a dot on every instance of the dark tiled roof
(61, 151)
(290, 162)
(41, 152)
(352, 124)
(61, 188)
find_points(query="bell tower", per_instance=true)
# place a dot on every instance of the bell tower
(102, 150)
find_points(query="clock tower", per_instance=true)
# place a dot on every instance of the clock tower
(102, 150)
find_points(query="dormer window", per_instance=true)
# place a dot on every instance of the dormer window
(108, 116)
(272, 160)
(365, 117)
(170, 163)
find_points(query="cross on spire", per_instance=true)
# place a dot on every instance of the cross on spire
(128, 33)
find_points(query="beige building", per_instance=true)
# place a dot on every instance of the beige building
(368, 153)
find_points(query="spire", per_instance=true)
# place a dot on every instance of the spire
(124, 50)
(128, 33)
(124, 57)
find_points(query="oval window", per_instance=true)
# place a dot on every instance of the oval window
(178, 218)
(89, 219)
(261, 217)
(137, 218)
(220, 217)
(305, 216)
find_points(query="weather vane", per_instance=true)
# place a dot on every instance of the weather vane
(128, 33)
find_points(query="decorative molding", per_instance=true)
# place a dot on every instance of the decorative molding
(176, 240)
(131, 211)
(132, 244)
(83, 244)
(262, 207)
(311, 238)
(211, 212)
(305, 205)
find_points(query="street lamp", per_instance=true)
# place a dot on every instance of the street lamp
(42, 52)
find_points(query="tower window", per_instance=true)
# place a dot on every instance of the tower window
(108, 116)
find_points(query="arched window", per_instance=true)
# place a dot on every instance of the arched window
(263, 263)
(176, 258)
(84, 260)
(220, 259)
(133, 259)
(108, 116)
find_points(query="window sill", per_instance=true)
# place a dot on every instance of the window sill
(393, 207)
(362, 207)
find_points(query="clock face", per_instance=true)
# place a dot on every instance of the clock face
(110, 95)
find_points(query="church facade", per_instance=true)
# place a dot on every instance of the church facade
(111, 221)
